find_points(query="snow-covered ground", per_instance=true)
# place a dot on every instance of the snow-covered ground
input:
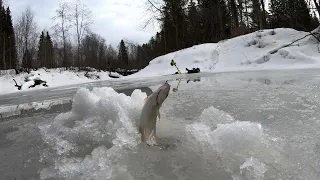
(53, 77)
(260, 50)
(255, 51)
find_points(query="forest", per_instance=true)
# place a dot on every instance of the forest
(183, 23)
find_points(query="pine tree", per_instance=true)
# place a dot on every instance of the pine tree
(234, 13)
(174, 25)
(41, 51)
(278, 17)
(11, 56)
(194, 25)
(215, 27)
(123, 54)
(159, 48)
(45, 51)
(301, 17)
(49, 52)
(2, 37)
(7, 40)
(290, 14)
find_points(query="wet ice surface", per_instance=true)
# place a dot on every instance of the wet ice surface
(254, 125)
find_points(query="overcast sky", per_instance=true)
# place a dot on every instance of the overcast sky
(112, 19)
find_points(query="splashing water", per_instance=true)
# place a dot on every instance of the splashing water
(89, 141)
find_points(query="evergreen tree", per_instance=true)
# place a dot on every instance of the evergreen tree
(173, 25)
(278, 17)
(2, 36)
(7, 40)
(290, 14)
(49, 52)
(234, 13)
(194, 25)
(300, 15)
(123, 54)
(45, 51)
(11, 55)
(215, 27)
(41, 51)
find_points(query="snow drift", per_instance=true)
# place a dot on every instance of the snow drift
(255, 51)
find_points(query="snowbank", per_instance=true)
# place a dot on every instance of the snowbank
(53, 78)
(255, 51)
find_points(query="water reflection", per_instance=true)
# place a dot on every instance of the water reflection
(197, 79)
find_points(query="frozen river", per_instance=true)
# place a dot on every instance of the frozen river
(248, 125)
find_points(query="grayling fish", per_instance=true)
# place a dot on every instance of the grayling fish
(150, 112)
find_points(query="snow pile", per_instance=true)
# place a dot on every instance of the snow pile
(90, 141)
(53, 78)
(243, 148)
(255, 51)
(201, 56)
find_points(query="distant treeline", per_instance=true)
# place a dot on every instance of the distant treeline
(184, 23)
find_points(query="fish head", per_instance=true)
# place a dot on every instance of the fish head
(163, 92)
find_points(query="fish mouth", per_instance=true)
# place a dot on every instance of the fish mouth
(163, 93)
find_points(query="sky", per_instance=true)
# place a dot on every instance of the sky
(112, 19)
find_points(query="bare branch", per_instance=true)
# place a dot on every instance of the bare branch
(62, 26)
(158, 9)
(25, 32)
(314, 34)
(153, 12)
(81, 20)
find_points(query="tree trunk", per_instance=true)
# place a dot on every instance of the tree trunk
(317, 6)
(247, 16)
(263, 14)
(10, 54)
(78, 54)
(4, 51)
(258, 13)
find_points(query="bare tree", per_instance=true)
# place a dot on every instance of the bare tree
(152, 13)
(317, 4)
(111, 54)
(26, 36)
(81, 20)
(132, 53)
(62, 28)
